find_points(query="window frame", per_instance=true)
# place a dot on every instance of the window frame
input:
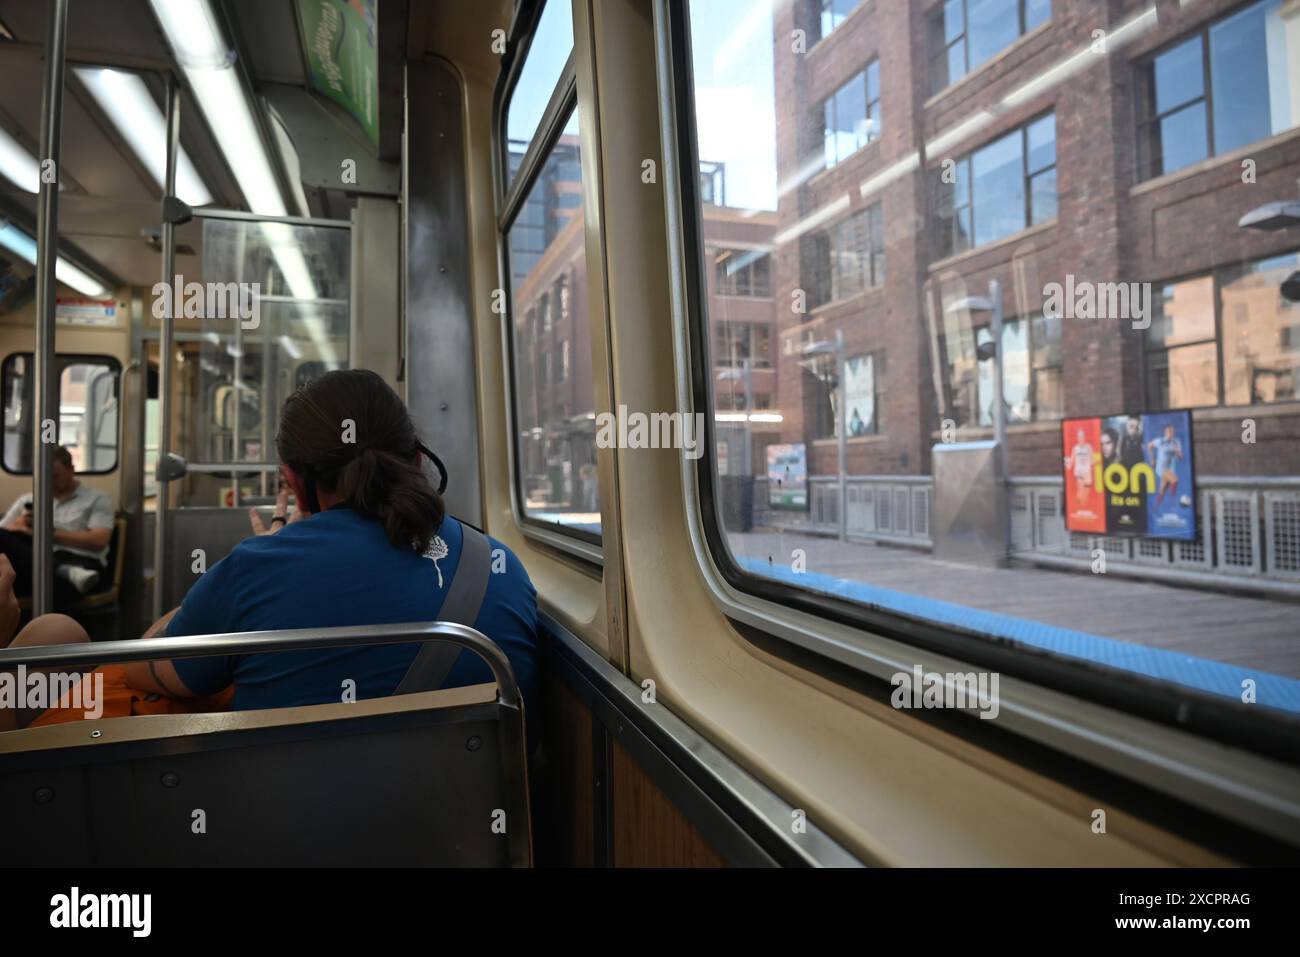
(511, 196)
(935, 14)
(829, 103)
(62, 361)
(1145, 123)
(1160, 734)
(1027, 177)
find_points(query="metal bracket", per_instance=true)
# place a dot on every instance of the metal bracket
(175, 211)
(170, 467)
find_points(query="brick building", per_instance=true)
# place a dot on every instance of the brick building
(924, 149)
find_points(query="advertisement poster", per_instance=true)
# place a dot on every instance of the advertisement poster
(860, 394)
(787, 476)
(1130, 474)
(343, 56)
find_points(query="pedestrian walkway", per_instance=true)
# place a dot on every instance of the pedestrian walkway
(1100, 617)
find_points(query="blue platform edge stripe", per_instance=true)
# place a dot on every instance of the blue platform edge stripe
(1216, 677)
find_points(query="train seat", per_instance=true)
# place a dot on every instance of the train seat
(428, 779)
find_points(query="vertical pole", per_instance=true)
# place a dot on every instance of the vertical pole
(747, 460)
(47, 246)
(999, 394)
(165, 347)
(236, 439)
(843, 429)
(1000, 421)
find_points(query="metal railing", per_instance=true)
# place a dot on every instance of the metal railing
(893, 508)
(1248, 534)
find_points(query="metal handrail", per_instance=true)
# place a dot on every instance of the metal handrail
(262, 642)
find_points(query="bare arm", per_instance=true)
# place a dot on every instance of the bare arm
(93, 539)
(157, 677)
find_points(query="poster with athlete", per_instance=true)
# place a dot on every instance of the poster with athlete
(1085, 503)
(1130, 474)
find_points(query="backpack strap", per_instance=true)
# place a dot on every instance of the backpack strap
(435, 659)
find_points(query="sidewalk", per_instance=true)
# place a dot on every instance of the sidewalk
(1252, 633)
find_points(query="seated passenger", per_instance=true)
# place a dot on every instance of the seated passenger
(83, 527)
(374, 548)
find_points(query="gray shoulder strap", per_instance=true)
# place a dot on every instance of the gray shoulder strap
(464, 599)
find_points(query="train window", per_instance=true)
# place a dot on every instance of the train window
(290, 326)
(539, 76)
(88, 412)
(552, 385)
(1063, 420)
(554, 404)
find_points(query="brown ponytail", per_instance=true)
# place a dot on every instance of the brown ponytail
(379, 473)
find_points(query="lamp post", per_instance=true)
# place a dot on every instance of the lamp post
(835, 347)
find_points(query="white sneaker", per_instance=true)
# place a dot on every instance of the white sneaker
(83, 579)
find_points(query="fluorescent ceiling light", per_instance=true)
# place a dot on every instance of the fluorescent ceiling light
(19, 165)
(199, 48)
(124, 97)
(20, 244)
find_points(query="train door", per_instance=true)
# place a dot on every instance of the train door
(272, 311)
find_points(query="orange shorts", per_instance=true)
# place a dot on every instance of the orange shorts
(123, 701)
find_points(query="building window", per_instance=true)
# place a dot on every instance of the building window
(738, 343)
(831, 13)
(743, 272)
(1227, 86)
(851, 117)
(966, 34)
(712, 184)
(1261, 333)
(1031, 372)
(846, 259)
(1182, 350)
(997, 190)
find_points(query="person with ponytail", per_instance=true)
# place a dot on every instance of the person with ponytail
(370, 544)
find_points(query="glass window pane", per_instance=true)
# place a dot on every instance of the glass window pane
(1245, 63)
(1261, 333)
(554, 410)
(1043, 197)
(1016, 365)
(956, 61)
(954, 20)
(1182, 312)
(1150, 305)
(1179, 76)
(850, 118)
(89, 414)
(1185, 377)
(998, 188)
(1037, 12)
(993, 26)
(1181, 140)
(543, 66)
(1042, 144)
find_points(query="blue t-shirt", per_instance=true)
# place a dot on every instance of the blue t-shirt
(339, 568)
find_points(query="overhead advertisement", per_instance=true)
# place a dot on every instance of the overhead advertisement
(1131, 474)
(343, 56)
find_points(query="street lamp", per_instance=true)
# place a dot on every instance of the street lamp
(1271, 218)
(835, 347)
(993, 305)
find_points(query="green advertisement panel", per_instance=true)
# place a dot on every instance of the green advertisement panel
(343, 56)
